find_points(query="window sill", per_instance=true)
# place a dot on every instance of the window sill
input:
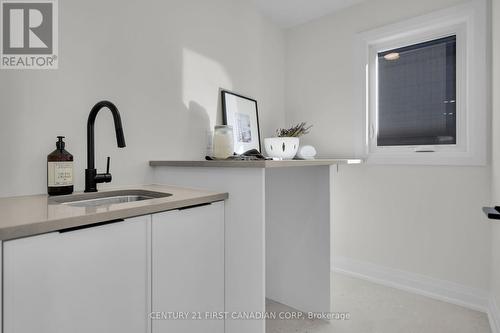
(428, 158)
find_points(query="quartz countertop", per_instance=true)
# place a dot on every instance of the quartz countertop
(37, 214)
(263, 164)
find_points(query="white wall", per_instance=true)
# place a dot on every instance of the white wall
(161, 61)
(424, 220)
(495, 260)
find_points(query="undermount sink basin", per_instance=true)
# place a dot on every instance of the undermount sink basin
(107, 198)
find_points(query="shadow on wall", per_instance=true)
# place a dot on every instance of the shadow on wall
(202, 78)
(199, 123)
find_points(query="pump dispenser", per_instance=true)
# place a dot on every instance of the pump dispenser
(60, 170)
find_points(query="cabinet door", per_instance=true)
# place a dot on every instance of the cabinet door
(80, 281)
(188, 268)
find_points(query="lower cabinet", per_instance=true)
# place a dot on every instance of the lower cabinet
(132, 276)
(188, 269)
(87, 280)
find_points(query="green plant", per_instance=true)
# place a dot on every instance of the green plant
(295, 131)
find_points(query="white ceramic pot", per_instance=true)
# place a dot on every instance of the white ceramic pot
(281, 148)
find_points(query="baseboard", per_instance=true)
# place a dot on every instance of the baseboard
(472, 298)
(494, 316)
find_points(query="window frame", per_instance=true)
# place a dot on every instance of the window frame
(461, 95)
(468, 23)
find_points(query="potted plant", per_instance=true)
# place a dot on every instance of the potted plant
(286, 143)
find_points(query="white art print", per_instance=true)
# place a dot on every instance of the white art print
(241, 114)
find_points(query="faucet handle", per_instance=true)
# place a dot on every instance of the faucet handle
(100, 177)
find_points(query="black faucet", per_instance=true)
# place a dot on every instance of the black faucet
(92, 178)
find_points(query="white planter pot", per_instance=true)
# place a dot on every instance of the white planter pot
(281, 148)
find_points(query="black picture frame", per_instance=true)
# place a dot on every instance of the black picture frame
(225, 117)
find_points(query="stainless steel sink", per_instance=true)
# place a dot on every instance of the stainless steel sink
(107, 198)
(107, 201)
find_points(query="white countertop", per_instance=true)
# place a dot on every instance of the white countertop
(37, 214)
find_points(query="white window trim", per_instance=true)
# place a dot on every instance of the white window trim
(469, 22)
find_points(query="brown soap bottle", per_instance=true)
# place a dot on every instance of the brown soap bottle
(59, 170)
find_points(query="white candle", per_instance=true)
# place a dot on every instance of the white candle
(223, 142)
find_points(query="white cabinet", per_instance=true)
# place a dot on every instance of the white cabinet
(188, 268)
(87, 280)
(108, 278)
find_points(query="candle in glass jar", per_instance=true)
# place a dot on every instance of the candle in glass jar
(223, 141)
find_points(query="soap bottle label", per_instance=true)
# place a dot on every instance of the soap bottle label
(60, 174)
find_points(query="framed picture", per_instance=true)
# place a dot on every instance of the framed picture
(241, 113)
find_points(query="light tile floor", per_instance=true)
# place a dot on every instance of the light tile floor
(375, 308)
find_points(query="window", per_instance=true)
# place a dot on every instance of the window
(417, 94)
(427, 91)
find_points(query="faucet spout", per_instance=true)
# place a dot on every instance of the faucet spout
(91, 176)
